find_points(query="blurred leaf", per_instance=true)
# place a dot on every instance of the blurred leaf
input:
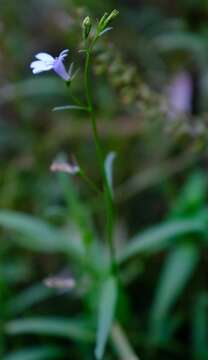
(61, 327)
(200, 327)
(79, 210)
(177, 270)
(107, 306)
(70, 107)
(185, 41)
(15, 271)
(121, 343)
(36, 353)
(35, 86)
(105, 31)
(159, 237)
(28, 298)
(36, 234)
(192, 197)
(109, 169)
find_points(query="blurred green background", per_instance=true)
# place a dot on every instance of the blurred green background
(150, 89)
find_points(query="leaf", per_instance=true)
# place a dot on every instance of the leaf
(28, 298)
(70, 107)
(36, 234)
(181, 40)
(192, 196)
(106, 312)
(105, 31)
(60, 327)
(36, 353)
(159, 237)
(121, 344)
(177, 270)
(109, 169)
(200, 320)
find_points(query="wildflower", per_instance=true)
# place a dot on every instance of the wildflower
(60, 282)
(63, 166)
(180, 92)
(47, 62)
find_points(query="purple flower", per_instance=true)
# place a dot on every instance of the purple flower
(47, 62)
(180, 93)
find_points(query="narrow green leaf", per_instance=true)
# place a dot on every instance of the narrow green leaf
(74, 329)
(199, 332)
(177, 271)
(36, 234)
(192, 197)
(106, 312)
(159, 237)
(109, 169)
(29, 298)
(70, 107)
(105, 31)
(36, 353)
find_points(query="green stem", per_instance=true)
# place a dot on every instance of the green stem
(107, 192)
(89, 181)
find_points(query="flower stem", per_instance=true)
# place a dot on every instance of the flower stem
(110, 213)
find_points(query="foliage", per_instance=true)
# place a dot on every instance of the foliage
(109, 262)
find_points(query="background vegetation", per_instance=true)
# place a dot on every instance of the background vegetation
(150, 89)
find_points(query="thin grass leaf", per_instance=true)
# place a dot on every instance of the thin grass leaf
(36, 353)
(199, 332)
(192, 197)
(106, 313)
(176, 273)
(36, 234)
(109, 169)
(28, 298)
(105, 31)
(51, 326)
(70, 107)
(160, 237)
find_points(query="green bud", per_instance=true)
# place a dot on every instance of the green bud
(110, 17)
(102, 21)
(86, 27)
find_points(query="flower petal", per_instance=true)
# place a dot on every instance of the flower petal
(63, 54)
(59, 68)
(39, 66)
(45, 57)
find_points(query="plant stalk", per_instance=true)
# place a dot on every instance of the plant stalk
(110, 213)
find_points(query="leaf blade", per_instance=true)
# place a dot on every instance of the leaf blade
(105, 315)
(159, 237)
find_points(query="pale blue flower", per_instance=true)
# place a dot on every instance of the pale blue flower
(47, 62)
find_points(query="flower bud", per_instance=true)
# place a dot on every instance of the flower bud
(86, 27)
(102, 21)
(111, 16)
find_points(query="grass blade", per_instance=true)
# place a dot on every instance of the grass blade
(36, 234)
(74, 329)
(70, 107)
(106, 314)
(159, 237)
(37, 353)
(109, 169)
(177, 271)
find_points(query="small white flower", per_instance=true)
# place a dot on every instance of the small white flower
(47, 62)
(63, 166)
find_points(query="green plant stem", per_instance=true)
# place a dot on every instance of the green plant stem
(89, 182)
(110, 214)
